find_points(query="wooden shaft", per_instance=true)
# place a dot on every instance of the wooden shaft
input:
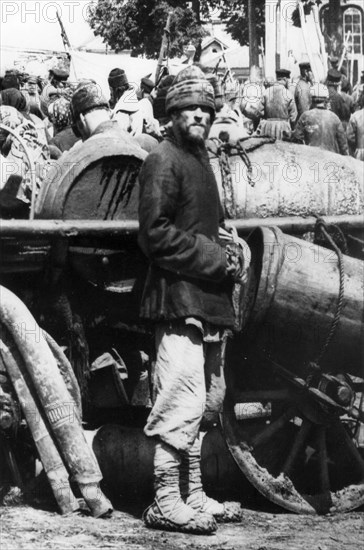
(164, 47)
(101, 228)
(323, 460)
(297, 446)
(69, 229)
(264, 395)
(353, 451)
(271, 429)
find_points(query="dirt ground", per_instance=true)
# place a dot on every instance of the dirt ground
(28, 528)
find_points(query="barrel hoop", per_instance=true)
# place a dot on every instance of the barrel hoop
(272, 263)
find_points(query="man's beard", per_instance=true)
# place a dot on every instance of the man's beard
(194, 143)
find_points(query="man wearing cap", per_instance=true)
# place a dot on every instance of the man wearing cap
(159, 103)
(34, 97)
(358, 92)
(11, 80)
(187, 296)
(90, 112)
(348, 99)
(251, 104)
(146, 88)
(124, 102)
(91, 115)
(55, 88)
(337, 102)
(334, 62)
(59, 113)
(149, 124)
(302, 94)
(320, 127)
(280, 110)
(355, 132)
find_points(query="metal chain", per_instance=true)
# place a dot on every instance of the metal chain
(227, 182)
(223, 151)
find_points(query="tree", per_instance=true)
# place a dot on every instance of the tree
(236, 16)
(138, 25)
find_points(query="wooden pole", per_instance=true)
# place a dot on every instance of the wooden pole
(345, 49)
(99, 228)
(163, 53)
(67, 44)
(253, 44)
(263, 57)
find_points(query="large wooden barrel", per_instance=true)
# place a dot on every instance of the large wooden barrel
(94, 180)
(97, 180)
(291, 301)
(288, 179)
(125, 456)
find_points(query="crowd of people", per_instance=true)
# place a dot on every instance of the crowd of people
(327, 115)
(44, 114)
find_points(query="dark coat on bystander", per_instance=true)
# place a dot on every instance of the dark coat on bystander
(179, 214)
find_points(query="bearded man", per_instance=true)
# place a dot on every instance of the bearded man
(188, 297)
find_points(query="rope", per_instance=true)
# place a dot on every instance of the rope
(336, 234)
(322, 225)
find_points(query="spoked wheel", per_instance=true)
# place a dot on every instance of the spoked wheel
(300, 454)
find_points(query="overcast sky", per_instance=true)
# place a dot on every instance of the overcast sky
(33, 24)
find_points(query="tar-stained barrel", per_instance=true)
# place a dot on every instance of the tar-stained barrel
(98, 180)
(288, 179)
(94, 180)
(291, 302)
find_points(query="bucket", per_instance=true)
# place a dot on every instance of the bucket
(291, 301)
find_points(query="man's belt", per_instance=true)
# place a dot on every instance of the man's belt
(279, 119)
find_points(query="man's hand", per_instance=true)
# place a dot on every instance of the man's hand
(237, 262)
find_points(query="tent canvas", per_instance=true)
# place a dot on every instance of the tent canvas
(86, 65)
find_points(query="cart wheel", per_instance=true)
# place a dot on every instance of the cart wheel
(298, 454)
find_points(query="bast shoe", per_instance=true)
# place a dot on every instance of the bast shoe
(223, 512)
(197, 523)
(232, 513)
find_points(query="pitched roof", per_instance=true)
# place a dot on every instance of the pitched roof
(210, 40)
